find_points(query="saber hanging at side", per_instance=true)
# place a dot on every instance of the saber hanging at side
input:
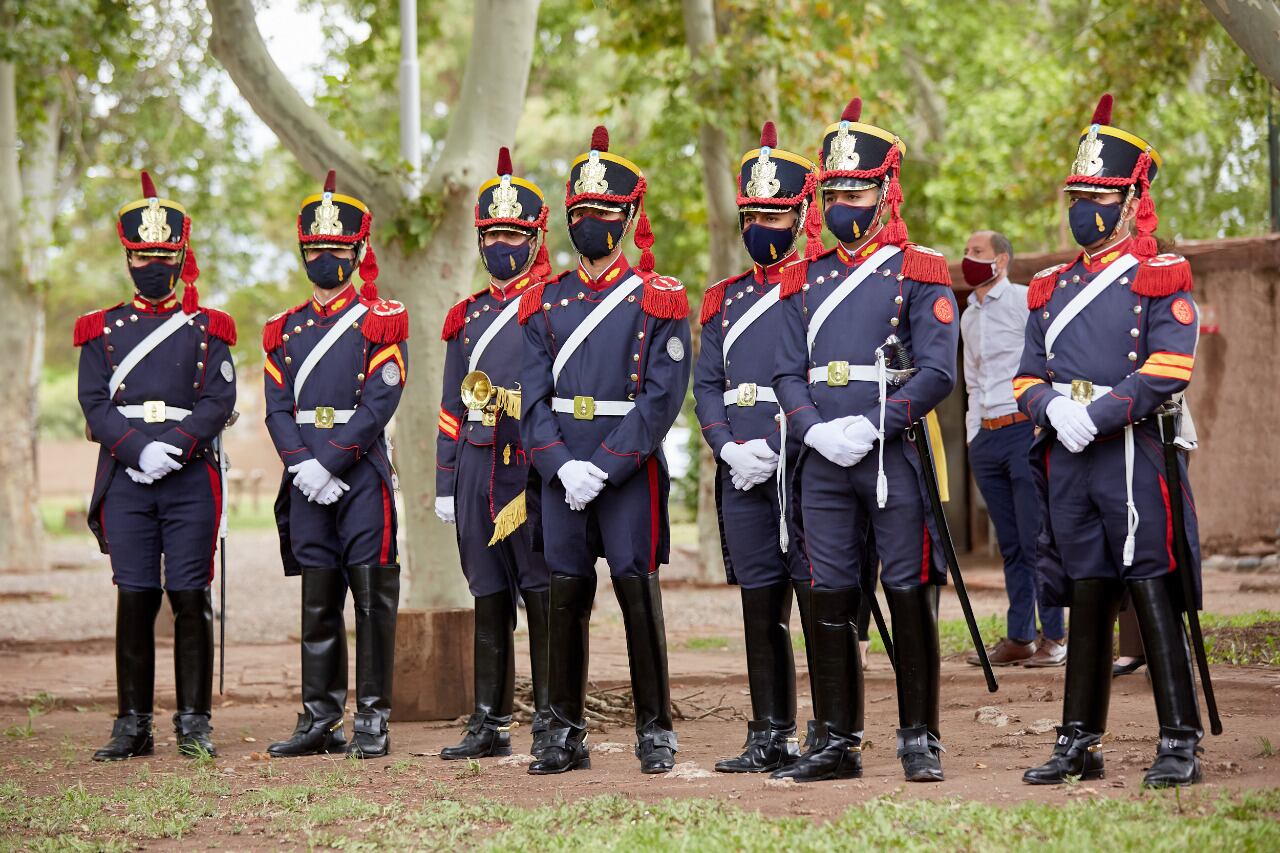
(224, 465)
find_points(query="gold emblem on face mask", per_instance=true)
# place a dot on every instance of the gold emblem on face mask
(763, 183)
(591, 176)
(327, 222)
(1089, 155)
(842, 155)
(506, 201)
(155, 225)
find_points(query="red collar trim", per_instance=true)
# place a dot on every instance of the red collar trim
(611, 276)
(773, 273)
(1106, 257)
(166, 306)
(336, 304)
(512, 289)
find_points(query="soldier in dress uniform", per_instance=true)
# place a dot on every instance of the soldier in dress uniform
(157, 386)
(604, 378)
(1110, 339)
(334, 373)
(851, 410)
(482, 468)
(741, 320)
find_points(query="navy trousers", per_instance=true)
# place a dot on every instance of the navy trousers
(750, 536)
(998, 459)
(509, 564)
(360, 529)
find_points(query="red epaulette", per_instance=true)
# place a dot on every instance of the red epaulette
(531, 302)
(221, 325)
(796, 274)
(925, 265)
(273, 331)
(713, 299)
(1163, 275)
(91, 325)
(456, 319)
(664, 297)
(1041, 287)
(387, 321)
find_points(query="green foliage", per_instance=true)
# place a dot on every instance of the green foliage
(707, 644)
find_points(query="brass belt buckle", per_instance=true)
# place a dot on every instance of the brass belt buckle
(584, 408)
(747, 394)
(324, 417)
(153, 412)
(837, 373)
(1082, 391)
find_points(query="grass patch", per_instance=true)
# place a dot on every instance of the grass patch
(707, 644)
(1245, 639)
(953, 635)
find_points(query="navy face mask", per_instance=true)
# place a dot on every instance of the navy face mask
(767, 245)
(596, 238)
(156, 280)
(328, 271)
(504, 260)
(849, 223)
(1091, 221)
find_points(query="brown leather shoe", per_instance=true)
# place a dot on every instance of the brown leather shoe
(1049, 653)
(1006, 653)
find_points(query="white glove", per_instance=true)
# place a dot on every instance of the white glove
(310, 477)
(582, 481)
(751, 463)
(863, 434)
(445, 511)
(828, 438)
(138, 477)
(331, 492)
(1075, 428)
(156, 461)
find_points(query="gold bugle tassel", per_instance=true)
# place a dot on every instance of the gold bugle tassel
(509, 519)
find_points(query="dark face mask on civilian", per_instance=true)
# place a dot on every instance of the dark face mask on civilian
(977, 272)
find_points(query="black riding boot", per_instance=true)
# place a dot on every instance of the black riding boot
(804, 602)
(376, 593)
(489, 728)
(914, 611)
(771, 672)
(1087, 689)
(535, 612)
(193, 670)
(324, 667)
(641, 601)
(135, 674)
(568, 629)
(836, 748)
(1172, 681)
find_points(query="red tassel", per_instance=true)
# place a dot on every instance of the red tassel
(530, 303)
(1163, 275)
(89, 326)
(504, 161)
(769, 135)
(369, 274)
(148, 186)
(190, 269)
(644, 240)
(541, 269)
(925, 266)
(600, 138)
(455, 319)
(852, 110)
(664, 298)
(331, 181)
(273, 332)
(895, 232)
(190, 299)
(1102, 113)
(387, 322)
(221, 325)
(1147, 221)
(813, 246)
(713, 301)
(1040, 290)
(793, 278)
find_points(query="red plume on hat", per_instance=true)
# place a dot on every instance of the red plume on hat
(504, 161)
(1102, 112)
(852, 110)
(769, 135)
(148, 186)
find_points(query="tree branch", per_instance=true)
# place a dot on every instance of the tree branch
(237, 43)
(1255, 26)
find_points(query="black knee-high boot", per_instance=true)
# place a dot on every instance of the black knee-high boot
(193, 669)
(376, 593)
(835, 749)
(324, 667)
(804, 603)
(914, 611)
(535, 611)
(1169, 658)
(1087, 690)
(771, 673)
(641, 601)
(568, 630)
(135, 675)
(489, 728)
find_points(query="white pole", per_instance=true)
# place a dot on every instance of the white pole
(410, 94)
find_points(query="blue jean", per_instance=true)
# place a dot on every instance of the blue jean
(998, 459)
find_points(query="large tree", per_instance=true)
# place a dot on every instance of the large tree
(430, 257)
(1255, 26)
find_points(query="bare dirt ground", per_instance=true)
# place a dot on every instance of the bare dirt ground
(55, 640)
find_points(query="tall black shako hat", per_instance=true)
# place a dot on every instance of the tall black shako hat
(604, 180)
(160, 228)
(1109, 159)
(508, 203)
(331, 220)
(771, 179)
(856, 156)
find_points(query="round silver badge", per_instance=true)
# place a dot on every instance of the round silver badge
(675, 349)
(391, 373)
(228, 372)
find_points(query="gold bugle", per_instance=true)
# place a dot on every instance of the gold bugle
(477, 390)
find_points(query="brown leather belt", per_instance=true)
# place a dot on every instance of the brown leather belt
(1004, 421)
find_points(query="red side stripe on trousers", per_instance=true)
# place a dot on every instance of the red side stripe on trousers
(654, 516)
(385, 553)
(924, 562)
(215, 484)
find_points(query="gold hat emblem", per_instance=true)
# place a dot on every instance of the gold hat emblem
(327, 222)
(842, 156)
(155, 225)
(506, 201)
(1089, 155)
(763, 183)
(591, 177)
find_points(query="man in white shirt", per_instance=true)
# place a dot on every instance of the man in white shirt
(993, 328)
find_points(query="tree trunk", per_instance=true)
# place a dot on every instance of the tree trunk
(1255, 26)
(20, 528)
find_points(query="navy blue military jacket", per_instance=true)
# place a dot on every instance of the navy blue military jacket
(364, 372)
(639, 353)
(901, 297)
(191, 369)
(751, 358)
(501, 360)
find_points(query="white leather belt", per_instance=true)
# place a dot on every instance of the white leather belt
(1080, 390)
(324, 417)
(748, 394)
(837, 373)
(586, 408)
(154, 412)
